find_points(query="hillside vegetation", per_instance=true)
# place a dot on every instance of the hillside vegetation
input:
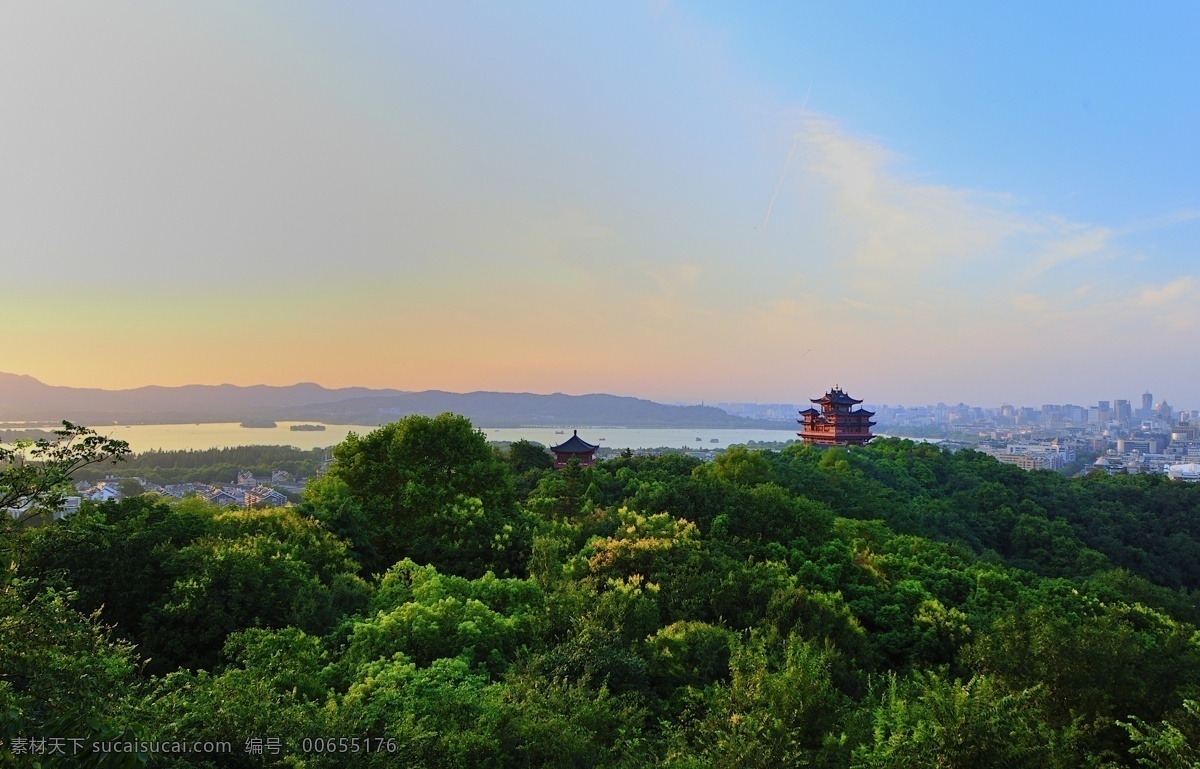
(887, 606)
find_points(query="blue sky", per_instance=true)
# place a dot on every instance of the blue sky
(683, 201)
(1079, 106)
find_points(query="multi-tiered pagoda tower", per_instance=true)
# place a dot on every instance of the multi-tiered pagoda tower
(837, 422)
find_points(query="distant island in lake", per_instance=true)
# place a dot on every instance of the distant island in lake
(266, 423)
(307, 428)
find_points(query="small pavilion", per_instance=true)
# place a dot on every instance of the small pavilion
(574, 448)
(838, 422)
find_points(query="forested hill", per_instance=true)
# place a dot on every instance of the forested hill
(894, 605)
(25, 398)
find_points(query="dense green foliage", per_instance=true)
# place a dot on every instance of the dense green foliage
(177, 579)
(887, 606)
(426, 488)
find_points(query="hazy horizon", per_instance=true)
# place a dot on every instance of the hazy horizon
(684, 203)
(1133, 398)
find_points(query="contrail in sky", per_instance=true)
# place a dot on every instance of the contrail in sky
(786, 163)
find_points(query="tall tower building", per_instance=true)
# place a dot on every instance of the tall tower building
(837, 421)
(1147, 406)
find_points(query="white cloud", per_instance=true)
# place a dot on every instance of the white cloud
(890, 224)
(1171, 293)
(891, 242)
(1067, 242)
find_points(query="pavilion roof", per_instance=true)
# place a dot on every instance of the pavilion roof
(836, 396)
(574, 445)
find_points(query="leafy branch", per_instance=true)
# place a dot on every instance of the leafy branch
(35, 476)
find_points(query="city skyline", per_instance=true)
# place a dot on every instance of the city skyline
(680, 203)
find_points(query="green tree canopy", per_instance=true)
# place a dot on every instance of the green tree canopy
(430, 489)
(526, 455)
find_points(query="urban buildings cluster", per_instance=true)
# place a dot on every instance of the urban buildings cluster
(1117, 436)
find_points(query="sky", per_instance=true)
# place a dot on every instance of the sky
(701, 201)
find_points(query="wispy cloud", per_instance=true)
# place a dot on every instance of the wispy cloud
(886, 222)
(890, 235)
(1067, 242)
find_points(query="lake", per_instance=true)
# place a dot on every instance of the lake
(217, 435)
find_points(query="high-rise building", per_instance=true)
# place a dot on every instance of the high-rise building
(1124, 412)
(1147, 406)
(1076, 414)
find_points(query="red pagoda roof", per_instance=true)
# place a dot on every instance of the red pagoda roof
(574, 445)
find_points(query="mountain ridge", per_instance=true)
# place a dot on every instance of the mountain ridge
(24, 398)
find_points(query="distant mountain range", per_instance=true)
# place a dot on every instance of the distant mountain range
(23, 398)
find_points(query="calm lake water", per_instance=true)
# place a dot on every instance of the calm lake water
(207, 436)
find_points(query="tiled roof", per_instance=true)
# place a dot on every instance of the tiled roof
(574, 445)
